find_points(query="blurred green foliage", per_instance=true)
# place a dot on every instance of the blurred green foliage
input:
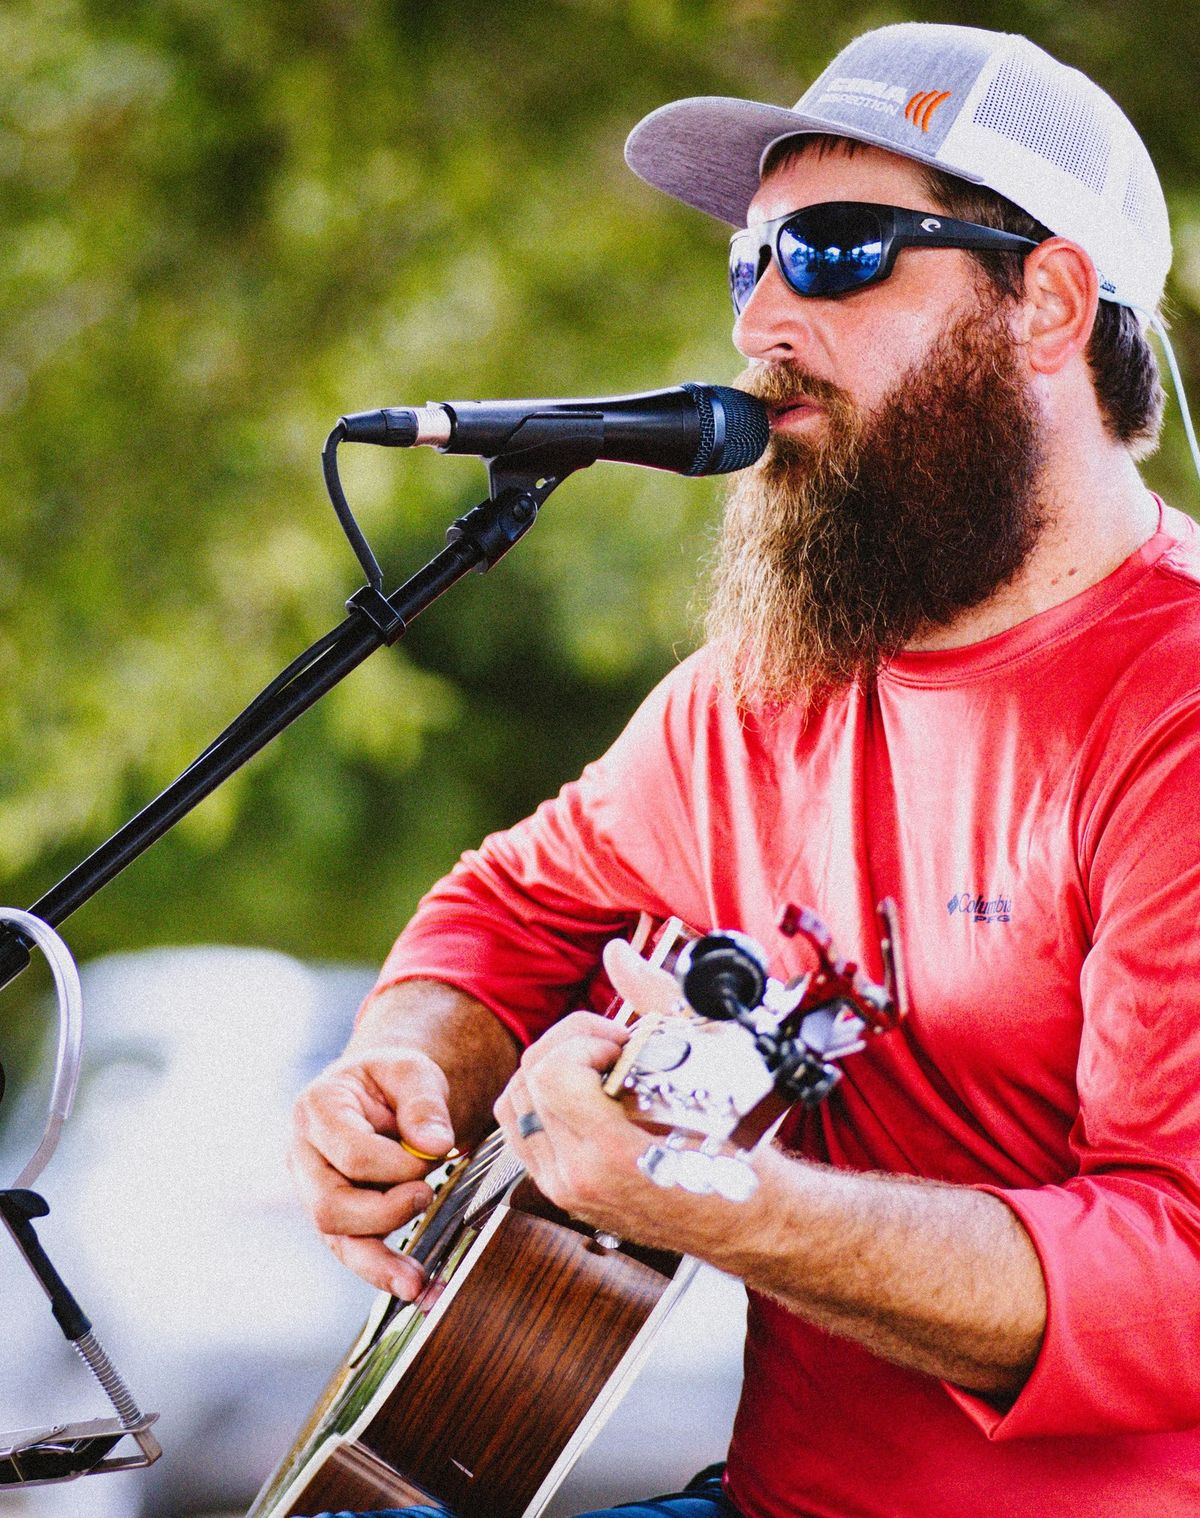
(223, 224)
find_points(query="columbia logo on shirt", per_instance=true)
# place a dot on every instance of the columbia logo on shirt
(980, 908)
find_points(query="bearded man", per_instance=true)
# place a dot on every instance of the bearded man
(955, 660)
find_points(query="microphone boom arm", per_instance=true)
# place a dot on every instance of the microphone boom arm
(520, 483)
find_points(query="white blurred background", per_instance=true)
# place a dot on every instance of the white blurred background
(173, 1221)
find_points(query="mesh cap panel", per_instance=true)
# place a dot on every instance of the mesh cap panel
(1133, 202)
(1053, 123)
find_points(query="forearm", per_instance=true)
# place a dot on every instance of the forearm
(942, 1279)
(463, 1037)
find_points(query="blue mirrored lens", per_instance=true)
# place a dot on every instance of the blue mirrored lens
(743, 271)
(830, 251)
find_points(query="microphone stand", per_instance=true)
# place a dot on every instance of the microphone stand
(519, 484)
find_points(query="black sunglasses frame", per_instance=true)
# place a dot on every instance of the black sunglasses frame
(899, 228)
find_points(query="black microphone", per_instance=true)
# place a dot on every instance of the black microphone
(691, 429)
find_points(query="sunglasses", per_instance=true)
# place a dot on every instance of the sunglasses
(841, 246)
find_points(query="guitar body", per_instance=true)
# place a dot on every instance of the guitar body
(481, 1395)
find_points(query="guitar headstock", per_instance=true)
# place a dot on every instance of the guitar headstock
(721, 1049)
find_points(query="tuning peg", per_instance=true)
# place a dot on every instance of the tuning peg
(723, 975)
(703, 1174)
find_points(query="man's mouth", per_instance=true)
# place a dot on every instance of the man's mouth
(790, 413)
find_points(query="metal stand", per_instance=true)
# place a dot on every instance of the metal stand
(520, 483)
(63, 1451)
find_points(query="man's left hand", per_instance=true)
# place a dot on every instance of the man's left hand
(583, 1153)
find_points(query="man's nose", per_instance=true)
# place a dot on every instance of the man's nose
(772, 325)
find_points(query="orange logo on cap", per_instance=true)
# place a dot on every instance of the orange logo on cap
(921, 107)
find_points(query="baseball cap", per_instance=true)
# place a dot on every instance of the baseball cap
(991, 107)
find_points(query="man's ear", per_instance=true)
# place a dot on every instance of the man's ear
(1062, 291)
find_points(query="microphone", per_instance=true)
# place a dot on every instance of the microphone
(690, 429)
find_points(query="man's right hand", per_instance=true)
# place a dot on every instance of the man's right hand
(355, 1177)
(425, 1064)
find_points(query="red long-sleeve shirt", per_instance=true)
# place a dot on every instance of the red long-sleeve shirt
(1031, 802)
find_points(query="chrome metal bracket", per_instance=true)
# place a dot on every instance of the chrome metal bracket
(64, 1451)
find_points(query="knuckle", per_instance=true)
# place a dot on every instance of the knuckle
(336, 1244)
(324, 1080)
(370, 1159)
(302, 1113)
(420, 1072)
(333, 1149)
(348, 1153)
(421, 1108)
(326, 1214)
(364, 1071)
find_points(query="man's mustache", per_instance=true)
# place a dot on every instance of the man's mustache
(776, 384)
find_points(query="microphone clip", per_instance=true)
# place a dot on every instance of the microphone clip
(519, 483)
(520, 480)
(490, 529)
(542, 452)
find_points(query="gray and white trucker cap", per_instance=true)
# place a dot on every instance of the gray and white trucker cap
(990, 107)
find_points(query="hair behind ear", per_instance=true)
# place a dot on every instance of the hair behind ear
(1123, 366)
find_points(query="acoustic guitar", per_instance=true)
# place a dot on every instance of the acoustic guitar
(480, 1396)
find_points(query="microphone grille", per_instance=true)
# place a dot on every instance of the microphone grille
(734, 438)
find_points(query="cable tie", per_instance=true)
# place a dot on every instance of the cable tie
(379, 612)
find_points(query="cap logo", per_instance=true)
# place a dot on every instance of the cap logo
(863, 94)
(921, 107)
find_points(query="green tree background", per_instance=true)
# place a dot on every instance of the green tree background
(221, 225)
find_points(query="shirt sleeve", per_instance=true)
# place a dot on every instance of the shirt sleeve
(520, 922)
(1119, 1242)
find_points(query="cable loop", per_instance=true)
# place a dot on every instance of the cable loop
(70, 1034)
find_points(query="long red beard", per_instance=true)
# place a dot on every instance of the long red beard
(835, 554)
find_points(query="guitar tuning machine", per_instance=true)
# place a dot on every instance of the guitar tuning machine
(841, 983)
(665, 1049)
(723, 976)
(703, 1172)
(804, 1076)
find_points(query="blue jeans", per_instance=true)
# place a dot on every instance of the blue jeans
(702, 1498)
